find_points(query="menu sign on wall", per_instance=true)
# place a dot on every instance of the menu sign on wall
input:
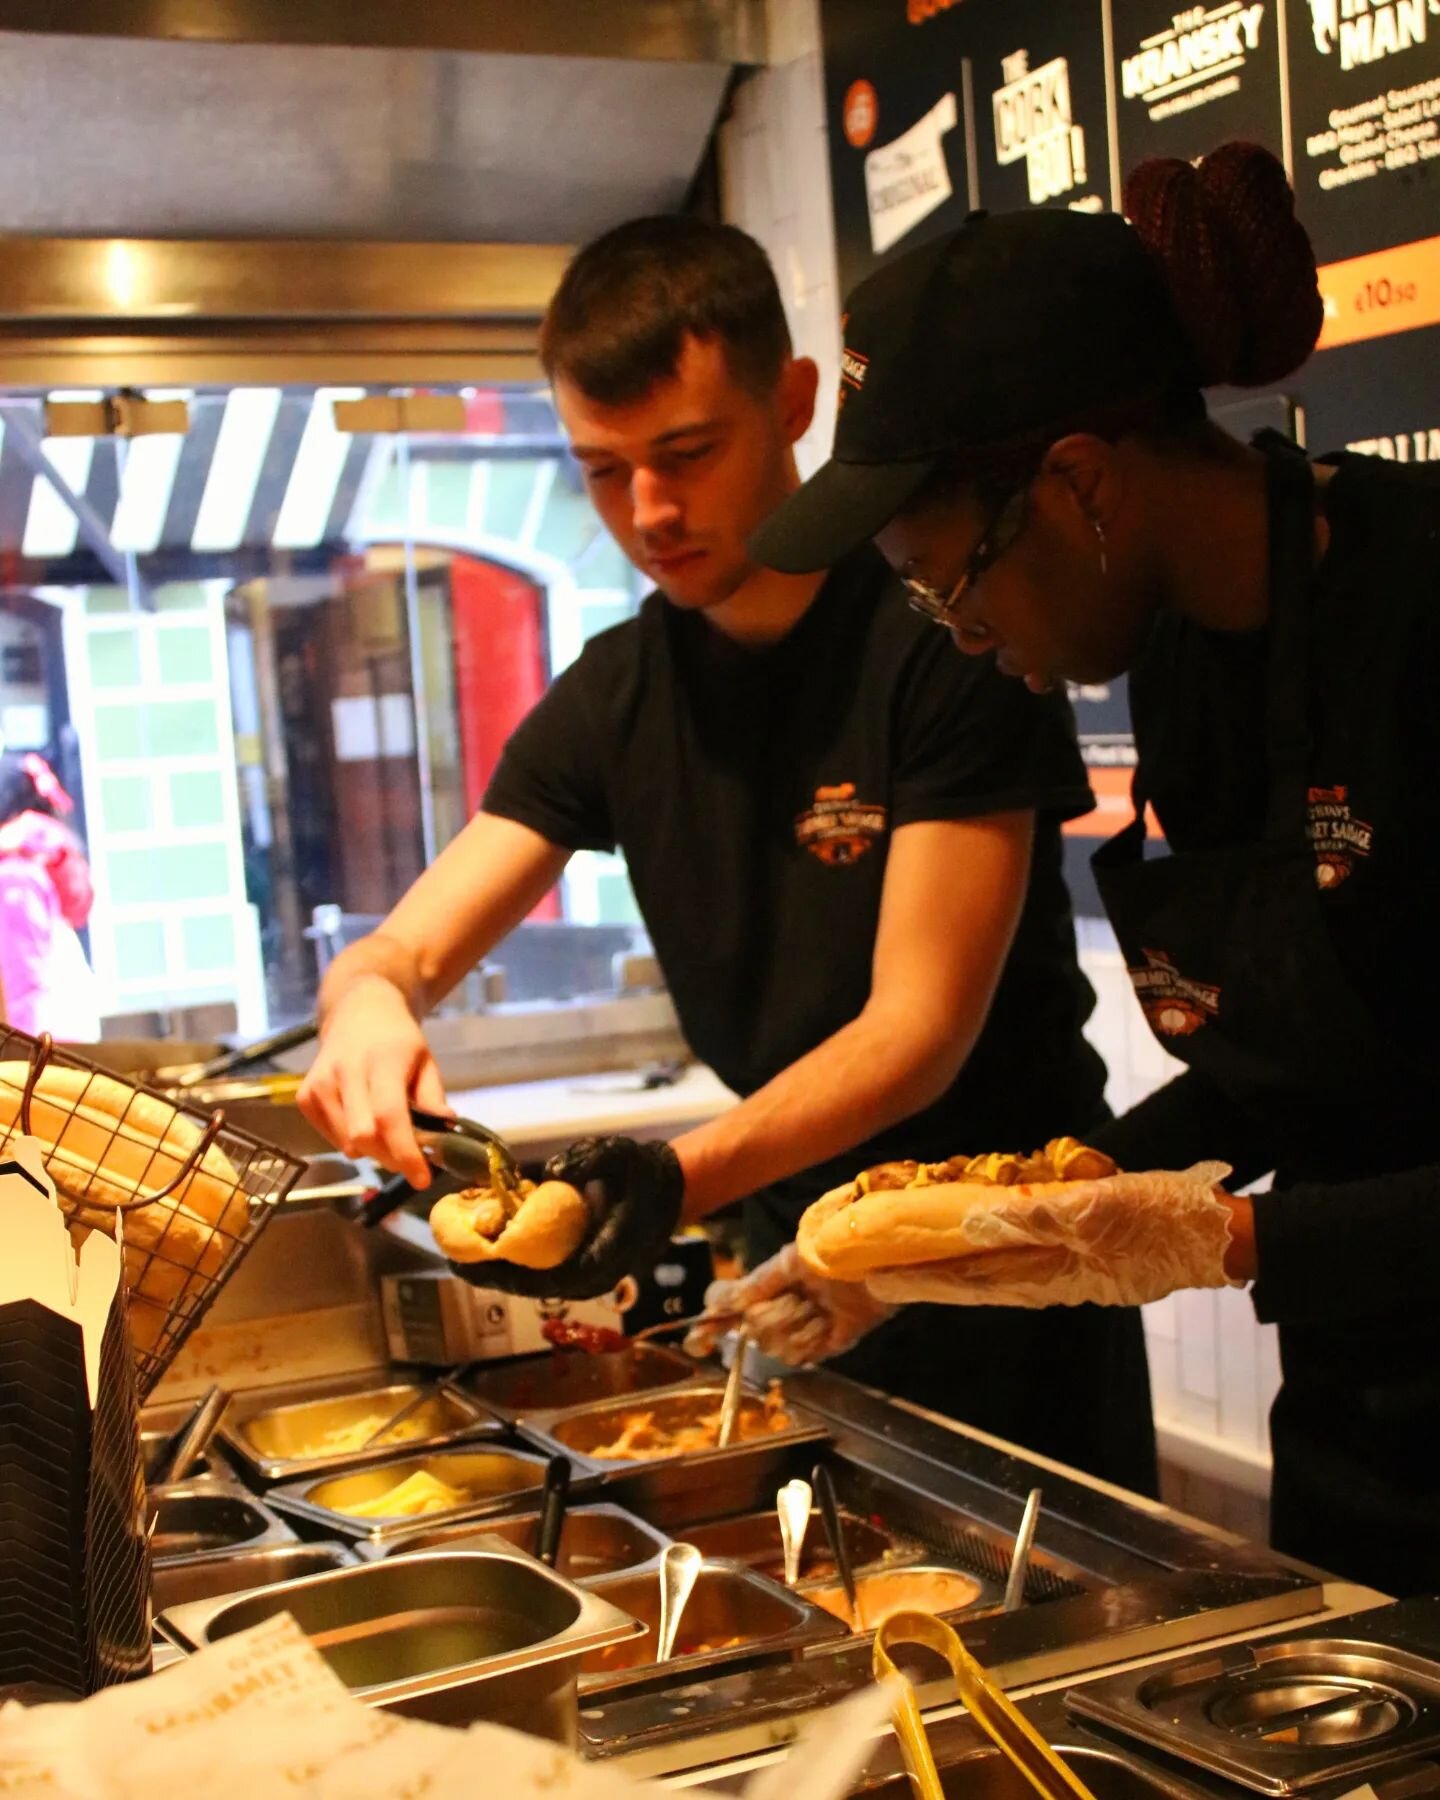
(1187, 80)
(1365, 104)
(1374, 397)
(894, 86)
(1038, 84)
(915, 89)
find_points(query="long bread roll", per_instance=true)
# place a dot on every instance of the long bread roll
(902, 1214)
(102, 1143)
(539, 1228)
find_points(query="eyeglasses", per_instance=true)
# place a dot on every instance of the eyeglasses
(1003, 527)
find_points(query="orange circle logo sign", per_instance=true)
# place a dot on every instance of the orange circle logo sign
(861, 113)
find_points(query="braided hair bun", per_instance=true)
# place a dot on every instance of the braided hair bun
(1236, 260)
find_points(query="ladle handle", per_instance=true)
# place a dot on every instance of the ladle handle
(552, 1509)
(824, 1487)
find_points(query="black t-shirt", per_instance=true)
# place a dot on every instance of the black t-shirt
(1198, 702)
(753, 793)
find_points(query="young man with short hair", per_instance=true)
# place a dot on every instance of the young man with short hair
(859, 911)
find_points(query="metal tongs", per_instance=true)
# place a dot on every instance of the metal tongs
(234, 1062)
(180, 1452)
(464, 1148)
(469, 1151)
(1012, 1733)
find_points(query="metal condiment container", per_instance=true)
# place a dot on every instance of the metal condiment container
(733, 1619)
(493, 1480)
(454, 1636)
(595, 1541)
(584, 1433)
(199, 1521)
(272, 1434)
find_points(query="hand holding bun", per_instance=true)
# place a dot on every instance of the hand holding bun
(900, 1214)
(1054, 1229)
(535, 1227)
(615, 1202)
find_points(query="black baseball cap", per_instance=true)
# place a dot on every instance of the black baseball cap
(982, 337)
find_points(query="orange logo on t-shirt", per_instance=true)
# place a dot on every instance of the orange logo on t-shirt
(838, 828)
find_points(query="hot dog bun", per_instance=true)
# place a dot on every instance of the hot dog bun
(915, 1212)
(547, 1229)
(103, 1142)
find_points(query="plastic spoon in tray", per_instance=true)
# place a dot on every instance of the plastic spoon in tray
(794, 1503)
(678, 1570)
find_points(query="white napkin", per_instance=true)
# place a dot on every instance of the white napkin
(263, 1713)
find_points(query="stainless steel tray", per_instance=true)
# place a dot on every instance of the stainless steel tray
(561, 1379)
(581, 1433)
(210, 1578)
(728, 1602)
(880, 1591)
(595, 1541)
(1279, 1717)
(453, 1636)
(266, 1432)
(499, 1480)
(198, 1521)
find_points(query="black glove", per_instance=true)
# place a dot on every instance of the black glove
(633, 1191)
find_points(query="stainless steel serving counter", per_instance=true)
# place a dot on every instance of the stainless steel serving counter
(1115, 1580)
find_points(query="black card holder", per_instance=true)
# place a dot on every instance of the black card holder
(74, 1552)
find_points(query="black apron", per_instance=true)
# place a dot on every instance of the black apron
(1236, 970)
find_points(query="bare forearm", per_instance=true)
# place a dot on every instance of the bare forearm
(866, 1077)
(379, 956)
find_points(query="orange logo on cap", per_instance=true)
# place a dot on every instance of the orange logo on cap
(860, 113)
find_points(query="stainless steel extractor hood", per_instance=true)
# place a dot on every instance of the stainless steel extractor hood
(494, 121)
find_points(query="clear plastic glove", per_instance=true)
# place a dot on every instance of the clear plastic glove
(793, 1314)
(1120, 1242)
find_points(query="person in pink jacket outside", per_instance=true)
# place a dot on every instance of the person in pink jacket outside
(45, 898)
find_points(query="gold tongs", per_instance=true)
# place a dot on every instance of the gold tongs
(986, 1703)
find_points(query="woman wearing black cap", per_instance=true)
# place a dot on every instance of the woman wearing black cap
(1023, 434)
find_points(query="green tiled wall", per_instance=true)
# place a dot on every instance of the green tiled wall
(184, 654)
(126, 803)
(197, 799)
(169, 875)
(209, 944)
(115, 659)
(140, 950)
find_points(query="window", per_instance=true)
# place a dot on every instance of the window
(276, 660)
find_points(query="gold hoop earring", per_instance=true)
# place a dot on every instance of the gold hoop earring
(1104, 558)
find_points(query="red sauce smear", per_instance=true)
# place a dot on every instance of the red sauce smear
(594, 1340)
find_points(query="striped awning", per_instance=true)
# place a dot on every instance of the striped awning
(262, 482)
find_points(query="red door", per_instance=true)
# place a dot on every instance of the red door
(500, 668)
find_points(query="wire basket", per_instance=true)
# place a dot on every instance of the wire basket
(184, 1193)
